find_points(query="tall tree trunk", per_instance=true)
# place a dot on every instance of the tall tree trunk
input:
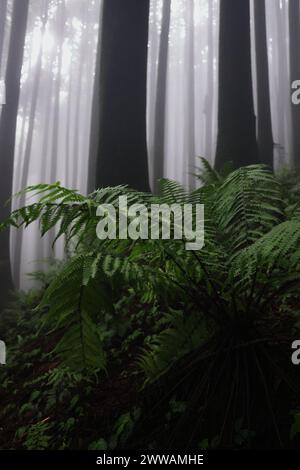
(28, 147)
(22, 140)
(210, 84)
(190, 121)
(294, 28)
(3, 8)
(45, 175)
(57, 86)
(8, 131)
(78, 98)
(94, 129)
(264, 120)
(122, 155)
(48, 112)
(236, 120)
(161, 96)
(68, 122)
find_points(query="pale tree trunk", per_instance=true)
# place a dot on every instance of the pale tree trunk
(264, 120)
(7, 134)
(68, 123)
(95, 122)
(161, 96)
(88, 104)
(78, 97)
(209, 99)
(48, 107)
(46, 144)
(28, 147)
(57, 86)
(190, 122)
(3, 9)
(282, 77)
(151, 79)
(22, 142)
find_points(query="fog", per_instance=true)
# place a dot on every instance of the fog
(57, 90)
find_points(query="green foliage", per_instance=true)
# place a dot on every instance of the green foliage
(295, 429)
(123, 428)
(36, 437)
(189, 319)
(184, 333)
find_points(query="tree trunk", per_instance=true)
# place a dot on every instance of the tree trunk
(68, 122)
(282, 80)
(3, 8)
(78, 99)
(7, 133)
(48, 100)
(94, 129)
(190, 102)
(236, 120)
(57, 86)
(264, 120)
(122, 154)
(161, 96)
(294, 26)
(26, 160)
(210, 85)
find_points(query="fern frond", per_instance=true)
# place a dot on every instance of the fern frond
(278, 251)
(207, 174)
(172, 192)
(72, 300)
(184, 334)
(248, 205)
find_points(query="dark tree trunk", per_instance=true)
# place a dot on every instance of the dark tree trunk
(294, 25)
(160, 104)
(122, 154)
(3, 8)
(264, 120)
(8, 131)
(236, 120)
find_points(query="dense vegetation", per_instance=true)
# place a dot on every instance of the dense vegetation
(144, 344)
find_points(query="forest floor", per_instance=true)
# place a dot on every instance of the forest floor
(44, 405)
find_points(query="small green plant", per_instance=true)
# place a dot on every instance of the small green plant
(37, 436)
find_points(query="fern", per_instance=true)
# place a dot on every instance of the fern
(248, 204)
(73, 299)
(207, 175)
(183, 334)
(249, 245)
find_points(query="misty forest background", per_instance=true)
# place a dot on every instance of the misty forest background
(76, 106)
(116, 343)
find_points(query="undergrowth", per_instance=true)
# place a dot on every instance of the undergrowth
(141, 343)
